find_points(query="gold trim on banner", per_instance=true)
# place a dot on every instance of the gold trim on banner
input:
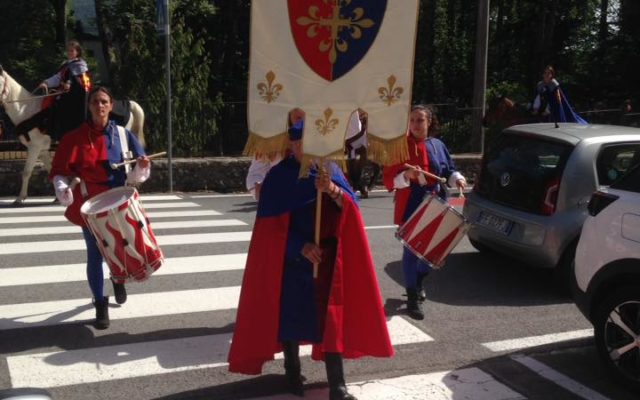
(270, 147)
(269, 92)
(387, 151)
(390, 94)
(310, 160)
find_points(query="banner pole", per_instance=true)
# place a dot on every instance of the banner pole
(167, 46)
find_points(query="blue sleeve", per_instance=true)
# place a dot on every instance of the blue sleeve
(134, 144)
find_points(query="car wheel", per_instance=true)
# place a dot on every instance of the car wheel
(617, 335)
(479, 246)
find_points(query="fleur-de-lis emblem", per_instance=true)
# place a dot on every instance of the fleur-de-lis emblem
(328, 125)
(335, 25)
(268, 91)
(390, 94)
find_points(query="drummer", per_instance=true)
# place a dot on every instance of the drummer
(87, 153)
(426, 153)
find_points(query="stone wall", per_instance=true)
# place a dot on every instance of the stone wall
(218, 174)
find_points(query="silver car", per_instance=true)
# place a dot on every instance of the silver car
(530, 198)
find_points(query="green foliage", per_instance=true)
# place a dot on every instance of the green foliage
(138, 71)
(27, 40)
(597, 59)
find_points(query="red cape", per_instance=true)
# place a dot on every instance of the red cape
(355, 323)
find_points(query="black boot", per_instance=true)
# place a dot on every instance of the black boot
(414, 306)
(119, 292)
(422, 295)
(102, 313)
(295, 379)
(335, 376)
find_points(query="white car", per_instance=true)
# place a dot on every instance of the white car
(607, 276)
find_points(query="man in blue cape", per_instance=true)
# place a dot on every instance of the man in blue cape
(282, 305)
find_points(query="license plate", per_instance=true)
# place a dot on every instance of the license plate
(495, 223)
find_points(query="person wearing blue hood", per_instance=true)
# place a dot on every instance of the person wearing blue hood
(282, 304)
(552, 102)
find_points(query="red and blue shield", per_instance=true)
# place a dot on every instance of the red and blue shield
(332, 36)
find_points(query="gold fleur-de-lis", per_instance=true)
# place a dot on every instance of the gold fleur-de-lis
(328, 125)
(268, 91)
(390, 94)
(335, 24)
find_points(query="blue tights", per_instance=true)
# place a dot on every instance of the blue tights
(95, 275)
(411, 267)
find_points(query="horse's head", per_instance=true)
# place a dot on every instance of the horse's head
(502, 110)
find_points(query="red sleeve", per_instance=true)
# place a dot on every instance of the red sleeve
(390, 173)
(64, 157)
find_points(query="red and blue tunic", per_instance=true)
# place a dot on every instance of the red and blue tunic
(87, 153)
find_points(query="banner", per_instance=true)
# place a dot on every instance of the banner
(329, 58)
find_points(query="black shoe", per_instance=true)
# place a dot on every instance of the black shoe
(120, 292)
(335, 376)
(102, 313)
(341, 393)
(414, 306)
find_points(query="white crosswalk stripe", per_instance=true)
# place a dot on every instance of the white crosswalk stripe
(53, 367)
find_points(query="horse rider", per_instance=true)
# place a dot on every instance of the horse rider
(68, 109)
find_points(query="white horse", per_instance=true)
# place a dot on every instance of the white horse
(20, 105)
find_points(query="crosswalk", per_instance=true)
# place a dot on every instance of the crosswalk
(193, 298)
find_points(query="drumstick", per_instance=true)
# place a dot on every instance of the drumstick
(428, 174)
(118, 165)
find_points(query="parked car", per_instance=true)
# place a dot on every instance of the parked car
(606, 287)
(530, 198)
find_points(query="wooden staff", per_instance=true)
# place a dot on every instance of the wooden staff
(427, 174)
(321, 170)
(118, 165)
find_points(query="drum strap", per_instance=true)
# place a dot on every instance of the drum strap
(124, 146)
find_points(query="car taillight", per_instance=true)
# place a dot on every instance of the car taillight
(599, 201)
(550, 197)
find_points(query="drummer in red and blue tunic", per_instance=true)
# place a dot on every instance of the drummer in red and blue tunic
(426, 153)
(88, 153)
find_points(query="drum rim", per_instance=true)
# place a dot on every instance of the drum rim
(130, 193)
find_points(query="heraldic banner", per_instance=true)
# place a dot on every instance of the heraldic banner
(329, 58)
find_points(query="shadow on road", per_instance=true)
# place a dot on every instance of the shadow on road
(486, 280)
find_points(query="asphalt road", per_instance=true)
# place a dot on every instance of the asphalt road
(494, 329)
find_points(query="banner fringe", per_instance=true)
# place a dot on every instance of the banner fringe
(387, 151)
(259, 147)
(309, 161)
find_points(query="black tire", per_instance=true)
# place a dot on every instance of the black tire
(622, 303)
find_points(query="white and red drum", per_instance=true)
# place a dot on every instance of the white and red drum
(433, 230)
(123, 233)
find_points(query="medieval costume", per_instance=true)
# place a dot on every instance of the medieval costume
(281, 304)
(88, 153)
(551, 101)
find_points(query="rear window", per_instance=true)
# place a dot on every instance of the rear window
(630, 181)
(518, 170)
(614, 160)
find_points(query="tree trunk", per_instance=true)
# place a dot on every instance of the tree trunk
(60, 7)
(603, 30)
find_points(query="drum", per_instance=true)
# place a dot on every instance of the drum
(433, 230)
(123, 233)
